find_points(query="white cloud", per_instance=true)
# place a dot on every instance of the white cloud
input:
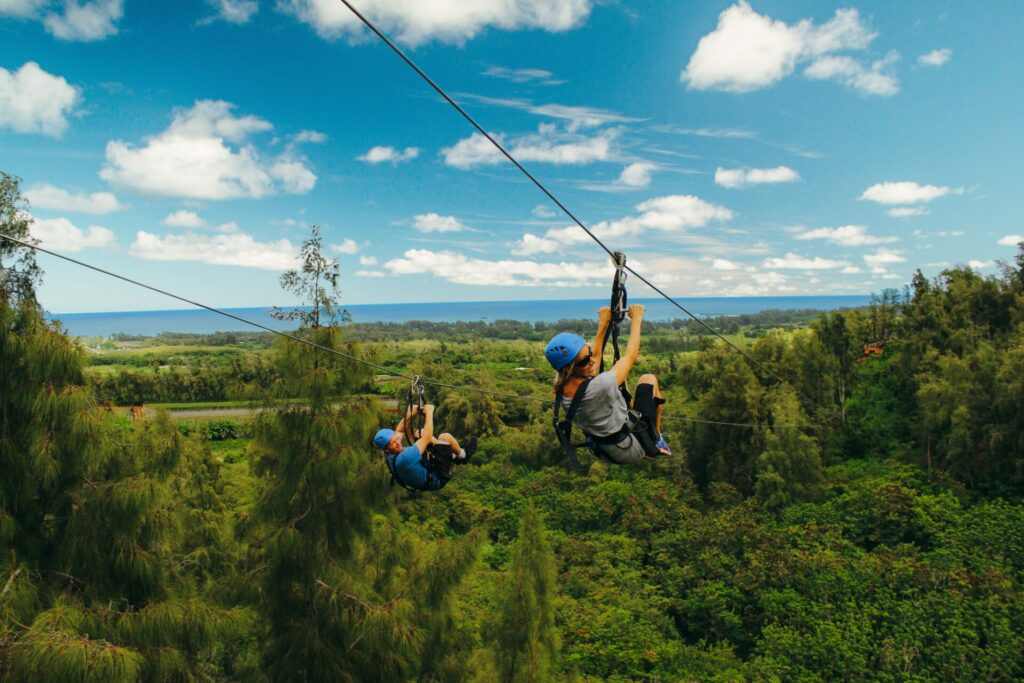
(1011, 240)
(192, 159)
(850, 270)
(906, 192)
(184, 219)
(23, 9)
(46, 196)
(464, 270)
(452, 21)
(637, 174)
(379, 155)
(847, 236)
(882, 257)
(294, 175)
(370, 273)
(34, 101)
(979, 265)
(724, 264)
(545, 146)
(236, 11)
(744, 177)
(748, 51)
(935, 57)
(237, 249)
(673, 213)
(313, 136)
(523, 75)
(60, 234)
(576, 117)
(796, 262)
(347, 246)
(367, 260)
(541, 211)
(85, 21)
(873, 80)
(908, 211)
(192, 221)
(432, 222)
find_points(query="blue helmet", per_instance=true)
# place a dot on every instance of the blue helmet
(383, 438)
(563, 349)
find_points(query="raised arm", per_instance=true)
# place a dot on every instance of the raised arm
(403, 424)
(625, 364)
(428, 428)
(604, 318)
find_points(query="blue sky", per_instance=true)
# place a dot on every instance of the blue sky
(729, 148)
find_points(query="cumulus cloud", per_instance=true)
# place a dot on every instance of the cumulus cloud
(34, 101)
(540, 76)
(313, 136)
(978, 265)
(850, 270)
(236, 249)
(724, 264)
(796, 262)
(22, 9)
(744, 177)
(451, 21)
(546, 146)
(541, 211)
(192, 221)
(748, 51)
(60, 234)
(367, 260)
(868, 80)
(87, 21)
(846, 236)
(464, 270)
(637, 174)
(45, 196)
(1011, 240)
(935, 57)
(235, 11)
(670, 214)
(370, 273)
(883, 257)
(906, 192)
(348, 246)
(193, 159)
(380, 155)
(432, 222)
(908, 211)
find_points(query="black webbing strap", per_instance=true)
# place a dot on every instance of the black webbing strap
(414, 427)
(563, 428)
(619, 306)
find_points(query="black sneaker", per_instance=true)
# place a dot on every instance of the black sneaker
(468, 449)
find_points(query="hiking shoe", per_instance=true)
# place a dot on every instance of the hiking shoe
(663, 444)
(468, 449)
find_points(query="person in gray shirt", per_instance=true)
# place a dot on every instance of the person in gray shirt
(603, 412)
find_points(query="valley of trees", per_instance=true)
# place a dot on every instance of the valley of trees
(869, 526)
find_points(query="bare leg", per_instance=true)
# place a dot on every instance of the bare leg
(448, 438)
(651, 379)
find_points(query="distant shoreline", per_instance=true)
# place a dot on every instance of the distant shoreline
(198, 321)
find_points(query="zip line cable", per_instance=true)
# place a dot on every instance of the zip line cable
(314, 345)
(440, 91)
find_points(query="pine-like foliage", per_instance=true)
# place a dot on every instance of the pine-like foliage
(91, 583)
(526, 639)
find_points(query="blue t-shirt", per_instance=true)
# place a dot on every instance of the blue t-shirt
(410, 470)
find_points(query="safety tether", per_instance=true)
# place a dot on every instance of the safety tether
(414, 424)
(619, 306)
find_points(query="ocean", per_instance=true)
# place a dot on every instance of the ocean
(199, 321)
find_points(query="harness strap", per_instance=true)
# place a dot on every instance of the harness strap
(619, 305)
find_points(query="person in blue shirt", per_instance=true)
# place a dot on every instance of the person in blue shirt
(426, 465)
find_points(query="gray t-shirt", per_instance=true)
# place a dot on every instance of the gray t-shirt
(603, 411)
